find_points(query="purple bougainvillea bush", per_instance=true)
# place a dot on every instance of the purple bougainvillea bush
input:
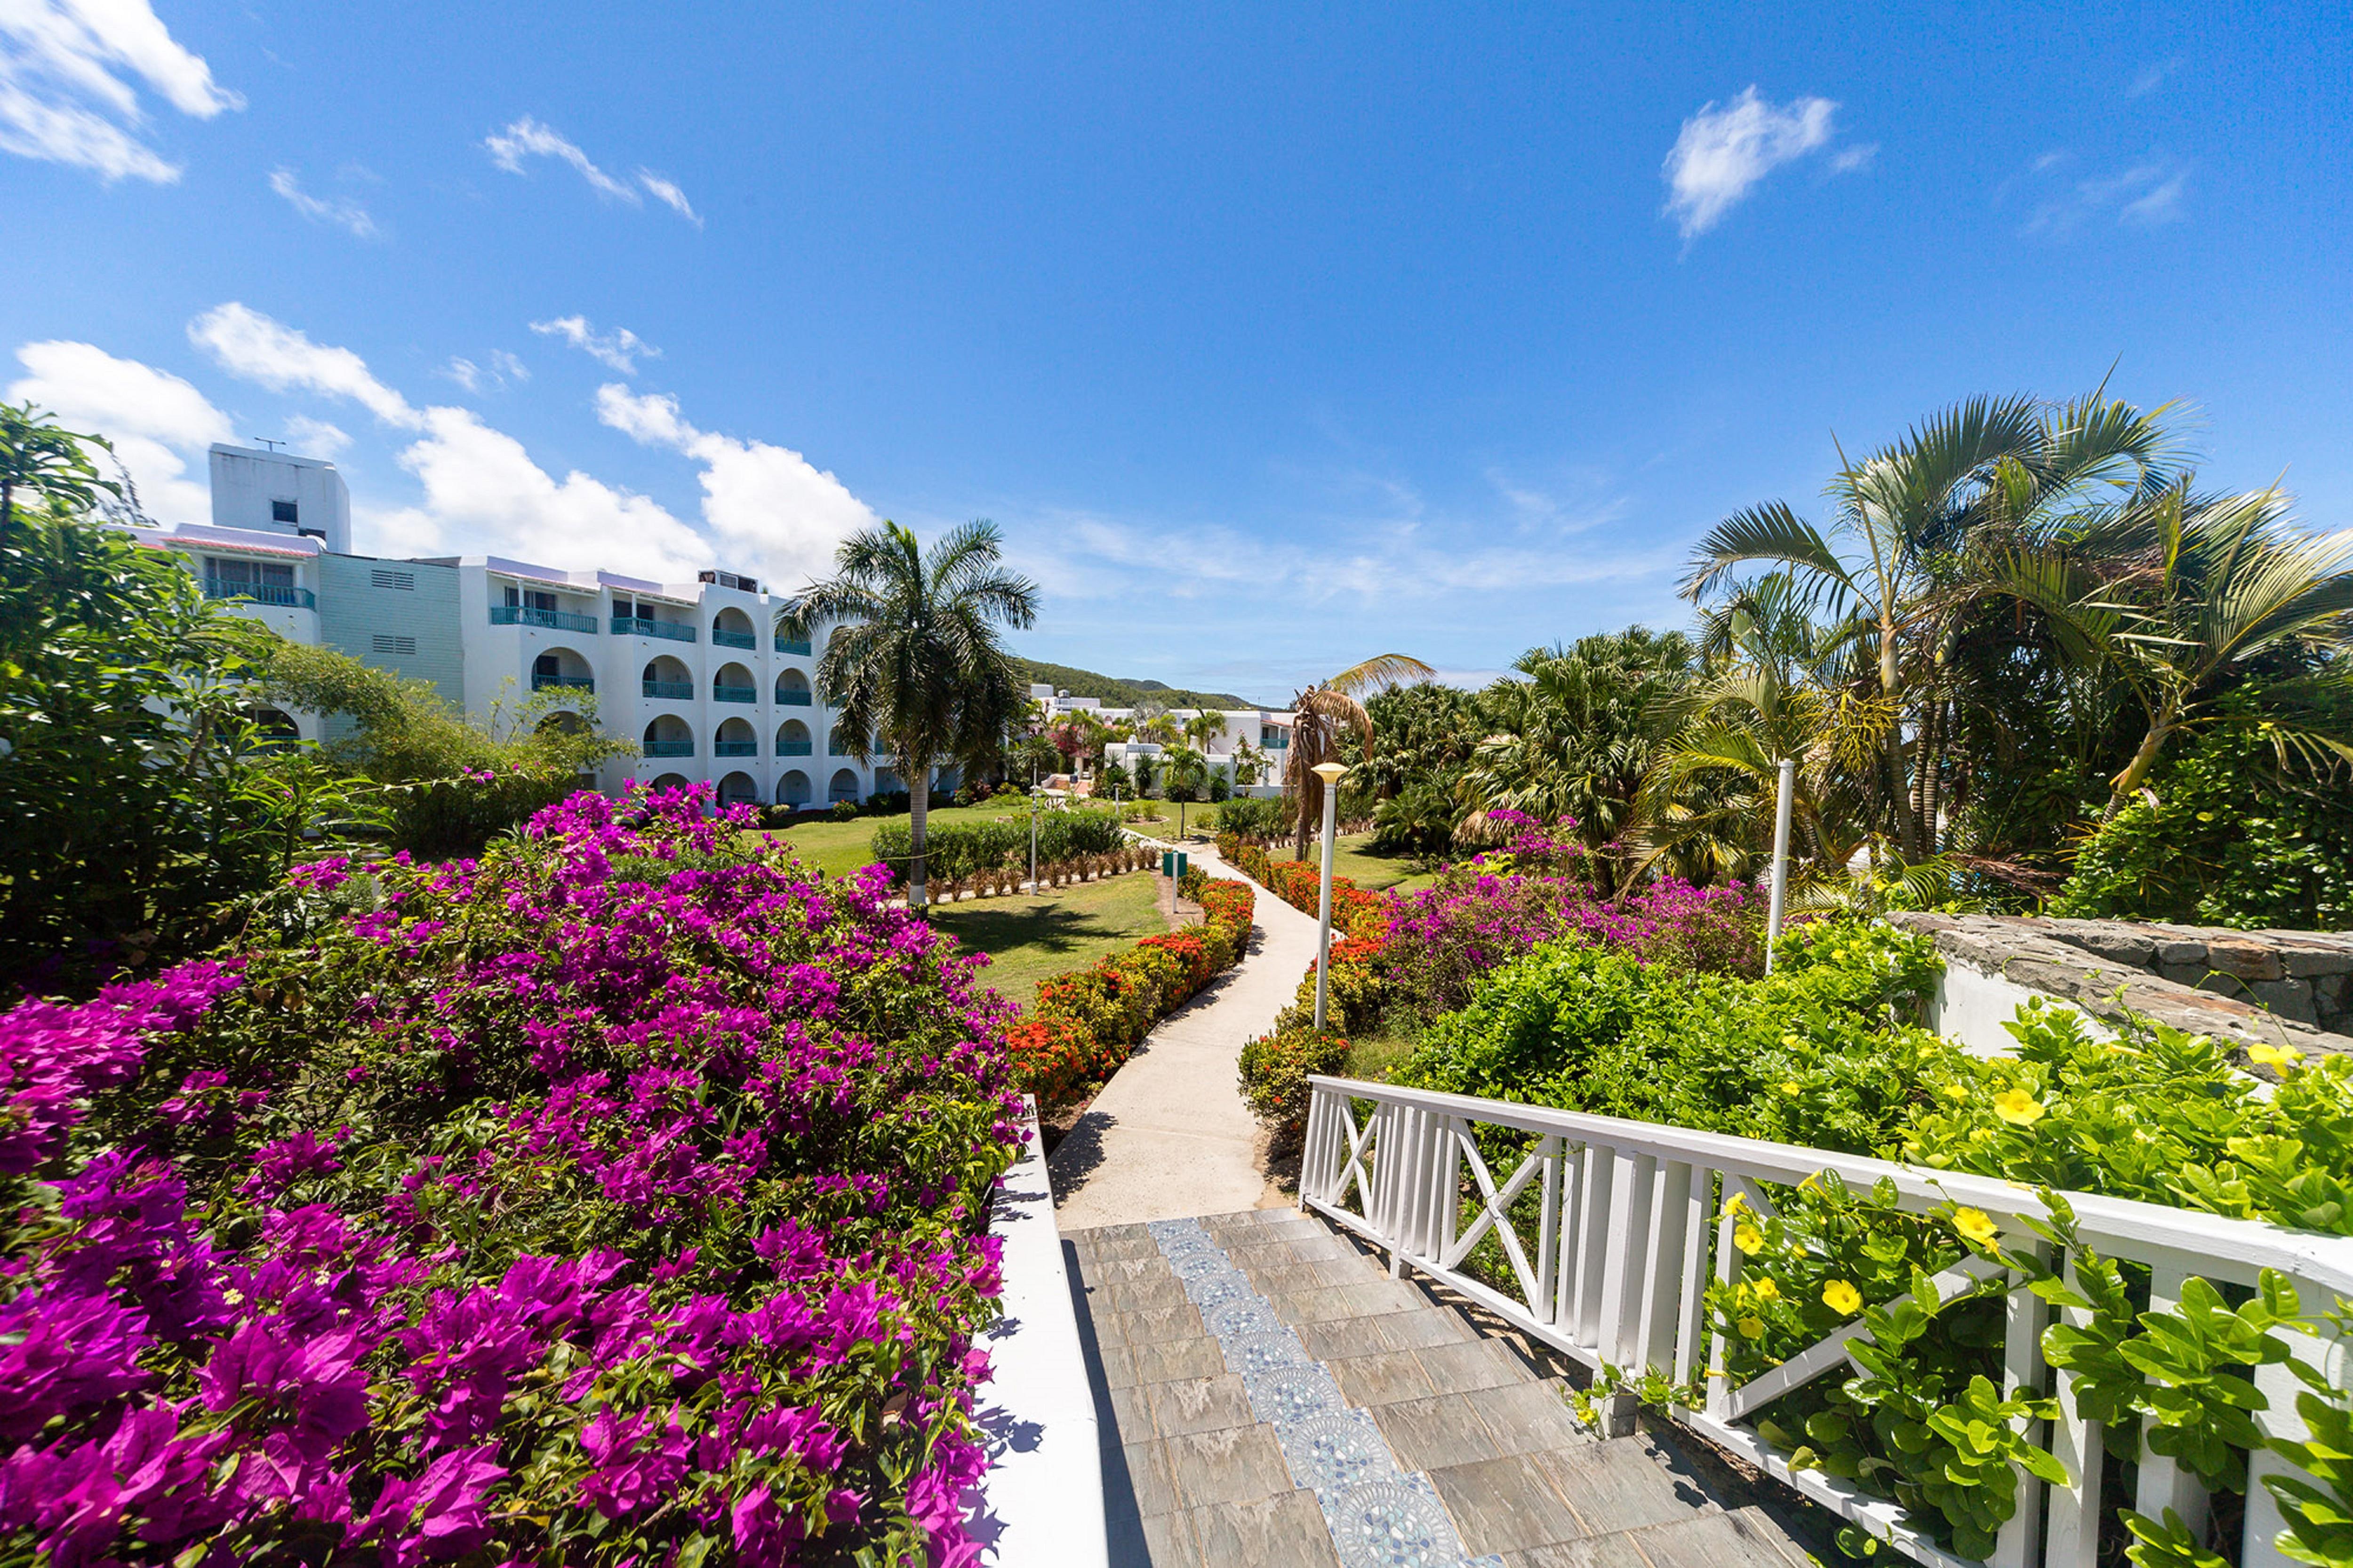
(619, 1199)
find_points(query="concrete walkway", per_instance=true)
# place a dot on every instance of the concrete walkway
(1169, 1135)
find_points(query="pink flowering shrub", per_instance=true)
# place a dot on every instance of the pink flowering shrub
(617, 1198)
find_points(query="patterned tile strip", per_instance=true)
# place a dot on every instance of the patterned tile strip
(1381, 1516)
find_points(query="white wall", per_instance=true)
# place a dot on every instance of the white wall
(244, 483)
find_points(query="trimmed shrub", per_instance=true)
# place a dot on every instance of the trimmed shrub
(617, 1196)
(1274, 1072)
(1253, 816)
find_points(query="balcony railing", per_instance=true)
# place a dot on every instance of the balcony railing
(669, 748)
(793, 697)
(793, 748)
(671, 690)
(1600, 1238)
(554, 620)
(262, 593)
(723, 638)
(542, 682)
(735, 694)
(792, 644)
(1275, 743)
(734, 748)
(642, 627)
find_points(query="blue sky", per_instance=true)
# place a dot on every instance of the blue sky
(1272, 336)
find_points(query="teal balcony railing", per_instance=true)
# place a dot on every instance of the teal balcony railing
(792, 644)
(723, 638)
(262, 593)
(734, 748)
(669, 748)
(793, 749)
(541, 681)
(641, 627)
(735, 694)
(671, 691)
(790, 698)
(554, 620)
(1277, 743)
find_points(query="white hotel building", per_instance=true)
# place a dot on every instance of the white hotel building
(696, 673)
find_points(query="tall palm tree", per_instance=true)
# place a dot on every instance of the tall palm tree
(1322, 715)
(916, 657)
(1924, 519)
(2177, 591)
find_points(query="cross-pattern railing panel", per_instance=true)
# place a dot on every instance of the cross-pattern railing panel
(1634, 1221)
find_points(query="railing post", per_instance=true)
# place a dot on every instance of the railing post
(2164, 1483)
(1311, 1148)
(2025, 1316)
(1727, 1271)
(2072, 1539)
(1662, 1264)
(1624, 1278)
(1592, 1245)
(1548, 1232)
(1691, 1299)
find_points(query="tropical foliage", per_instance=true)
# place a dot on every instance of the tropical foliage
(914, 659)
(618, 1197)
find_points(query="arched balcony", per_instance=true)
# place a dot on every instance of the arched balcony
(733, 683)
(735, 738)
(668, 680)
(793, 691)
(669, 736)
(793, 738)
(732, 628)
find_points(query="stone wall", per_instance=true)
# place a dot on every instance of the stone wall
(2278, 987)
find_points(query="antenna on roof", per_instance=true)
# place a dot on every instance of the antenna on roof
(266, 441)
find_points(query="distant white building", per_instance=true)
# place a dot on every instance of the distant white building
(696, 673)
(1265, 730)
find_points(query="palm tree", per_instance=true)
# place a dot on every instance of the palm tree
(1187, 771)
(1322, 716)
(1932, 514)
(2178, 591)
(915, 659)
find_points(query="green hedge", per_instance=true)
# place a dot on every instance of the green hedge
(958, 849)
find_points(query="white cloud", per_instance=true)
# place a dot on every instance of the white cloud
(494, 376)
(67, 88)
(508, 365)
(482, 490)
(464, 371)
(2152, 76)
(342, 211)
(252, 346)
(531, 138)
(159, 424)
(1854, 160)
(315, 437)
(2146, 194)
(772, 509)
(616, 350)
(1722, 153)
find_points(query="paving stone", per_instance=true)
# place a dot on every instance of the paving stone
(1169, 1361)
(1291, 1277)
(1620, 1485)
(1745, 1538)
(1472, 1365)
(1118, 1364)
(1169, 1538)
(1113, 1328)
(1231, 1463)
(1131, 1413)
(1202, 1405)
(1287, 1530)
(1426, 1325)
(1526, 1418)
(1149, 1477)
(1368, 1300)
(1383, 1378)
(1506, 1505)
(1428, 1435)
(1140, 1295)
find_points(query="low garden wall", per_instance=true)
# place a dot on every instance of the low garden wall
(2262, 988)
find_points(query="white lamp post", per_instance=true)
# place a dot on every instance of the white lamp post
(1330, 773)
(1781, 859)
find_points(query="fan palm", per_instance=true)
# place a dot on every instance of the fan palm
(1322, 716)
(1926, 519)
(2178, 591)
(915, 659)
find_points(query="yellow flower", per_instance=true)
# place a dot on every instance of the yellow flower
(1737, 1204)
(1790, 1087)
(1751, 1328)
(1973, 1224)
(1764, 1290)
(1747, 1237)
(2277, 1058)
(1788, 1042)
(2018, 1107)
(1812, 1183)
(1955, 1091)
(1842, 1297)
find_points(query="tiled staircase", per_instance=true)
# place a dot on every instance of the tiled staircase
(1269, 1396)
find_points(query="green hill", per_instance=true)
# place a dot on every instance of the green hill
(1114, 692)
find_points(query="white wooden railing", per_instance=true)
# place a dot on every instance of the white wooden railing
(1632, 1228)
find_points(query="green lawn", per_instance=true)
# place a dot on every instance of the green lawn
(1355, 857)
(1028, 939)
(838, 848)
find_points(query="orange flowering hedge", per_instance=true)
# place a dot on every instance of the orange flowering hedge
(1086, 1022)
(1299, 883)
